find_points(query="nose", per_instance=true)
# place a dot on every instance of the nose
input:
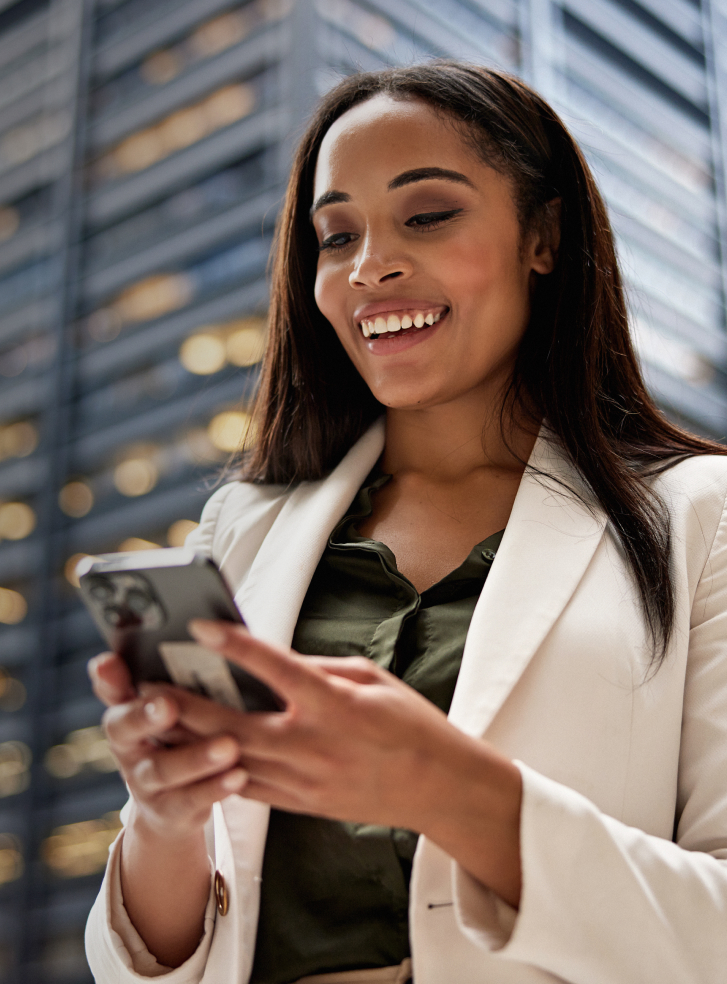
(376, 263)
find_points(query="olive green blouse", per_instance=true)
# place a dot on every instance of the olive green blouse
(335, 895)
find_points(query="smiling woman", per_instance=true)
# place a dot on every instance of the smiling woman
(487, 577)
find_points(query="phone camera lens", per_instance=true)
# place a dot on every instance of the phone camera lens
(113, 614)
(101, 589)
(138, 600)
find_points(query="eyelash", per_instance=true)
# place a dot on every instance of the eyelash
(433, 221)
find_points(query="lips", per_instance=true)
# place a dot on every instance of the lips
(388, 317)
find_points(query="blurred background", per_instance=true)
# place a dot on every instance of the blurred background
(144, 146)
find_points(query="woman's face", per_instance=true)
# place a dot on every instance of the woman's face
(421, 238)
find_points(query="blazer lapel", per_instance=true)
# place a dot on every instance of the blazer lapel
(548, 543)
(273, 592)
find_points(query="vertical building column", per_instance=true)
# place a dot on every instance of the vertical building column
(298, 70)
(541, 46)
(714, 20)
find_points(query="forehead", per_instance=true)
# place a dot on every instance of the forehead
(385, 136)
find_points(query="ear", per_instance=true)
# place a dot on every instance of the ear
(545, 239)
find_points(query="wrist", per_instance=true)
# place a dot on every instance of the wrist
(475, 797)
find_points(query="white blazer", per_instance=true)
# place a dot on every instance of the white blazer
(624, 815)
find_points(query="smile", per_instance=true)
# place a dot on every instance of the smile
(394, 322)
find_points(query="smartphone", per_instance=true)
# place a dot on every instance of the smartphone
(142, 601)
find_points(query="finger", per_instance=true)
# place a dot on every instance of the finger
(128, 724)
(111, 679)
(191, 804)
(292, 676)
(359, 669)
(171, 768)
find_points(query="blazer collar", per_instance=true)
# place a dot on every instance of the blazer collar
(271, 597)
(549, 541)
(548, 544)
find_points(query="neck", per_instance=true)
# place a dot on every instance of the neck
(448, 442)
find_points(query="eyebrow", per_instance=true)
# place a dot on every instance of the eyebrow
(405, 178)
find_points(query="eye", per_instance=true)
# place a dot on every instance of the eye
(337, 241)
(430, 220)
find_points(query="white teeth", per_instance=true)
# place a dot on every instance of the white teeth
(418, 320)
(379, 326)
(437, 317)
(365, 329)
(429, 319)
(393, 323)
(406, 321)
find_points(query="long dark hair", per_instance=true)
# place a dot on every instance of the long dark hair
(576, 367)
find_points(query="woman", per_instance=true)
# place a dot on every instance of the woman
(443, 259)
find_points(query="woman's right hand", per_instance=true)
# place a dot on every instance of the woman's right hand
(173, 775)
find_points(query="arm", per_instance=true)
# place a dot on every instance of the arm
(164, 868)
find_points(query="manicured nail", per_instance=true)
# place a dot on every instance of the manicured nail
(234, 780)
(208, 633)
(156, 710)
(222, 750)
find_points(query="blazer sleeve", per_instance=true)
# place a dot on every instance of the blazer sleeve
(605, 902)
(114, 949)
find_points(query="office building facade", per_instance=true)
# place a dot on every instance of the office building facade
(144, 146)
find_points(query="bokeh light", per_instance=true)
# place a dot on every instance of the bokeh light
(202, 354)
(15, 759)
(69, 568)
(134, 543)
(13, 607)
(228, 430)
(179, 531)
(18, 440)
(135, 476)
(76, 499)
(17, 520)
(12, 693)
(78, 849)
(11, 859)
(85, 748)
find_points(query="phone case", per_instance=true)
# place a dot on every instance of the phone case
(142, 603)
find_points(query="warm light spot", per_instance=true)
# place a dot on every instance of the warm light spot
(84, 748)
(245, 345)
(202, 354)
(13, 607)
(17, 520)
(180, 129)
(199, 445)
(139, 151)
(9, 223)
(179, 531)
(69, 568)
(11, 859)
(18, 440)
(228, 105)
(153, 297)
(76, 499)
(15, 759)
(135, 476)
(78, 849)
(228, 429)
(136, 543)
(12, 693)
(218, 34)
(160, 67)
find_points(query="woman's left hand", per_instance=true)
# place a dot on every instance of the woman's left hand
(356, 743)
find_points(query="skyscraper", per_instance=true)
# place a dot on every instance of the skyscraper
(144, 146)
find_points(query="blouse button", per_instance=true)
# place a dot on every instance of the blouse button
(221, 897)
(488, 555)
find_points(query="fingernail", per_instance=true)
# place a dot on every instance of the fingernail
(208, 633)
(222, 750)
(235, 779)
(155, 710)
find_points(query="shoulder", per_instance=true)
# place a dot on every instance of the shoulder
(234, 510)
